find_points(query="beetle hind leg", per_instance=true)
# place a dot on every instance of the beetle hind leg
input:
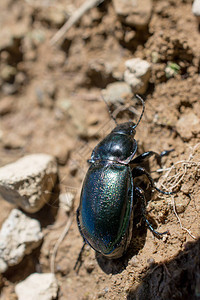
(140, 194)
(139, 171)
(79, 259)
(154, 231)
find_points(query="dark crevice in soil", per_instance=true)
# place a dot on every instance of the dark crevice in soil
(180, 276)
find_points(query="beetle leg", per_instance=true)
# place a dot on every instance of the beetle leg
(79, 259)
(154, 231)
(140, 194)
(139, 171)
(146, 155)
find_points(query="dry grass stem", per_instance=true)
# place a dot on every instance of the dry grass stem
(74, 19)
(171, 182)
(59, 241)
(179, 220)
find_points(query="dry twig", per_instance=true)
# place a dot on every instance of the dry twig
(74, 19)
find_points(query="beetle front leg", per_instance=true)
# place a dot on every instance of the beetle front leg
(146, 155)
(140, 195)
(139, 171)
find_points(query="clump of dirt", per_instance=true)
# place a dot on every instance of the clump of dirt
(50, 101)
(168, 51)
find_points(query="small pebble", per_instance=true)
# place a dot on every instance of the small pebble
(66, 201)
(196, 9)
(116, 92)
(38, 286)
(137, 74)
(151, 261)
(89, 266)
(134, 262)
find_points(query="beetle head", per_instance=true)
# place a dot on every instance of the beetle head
(119, 145)
(127, 128)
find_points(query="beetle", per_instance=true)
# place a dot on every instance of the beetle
(109, 195)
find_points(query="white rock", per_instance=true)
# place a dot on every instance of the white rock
(37, 287)
(135, 13)
(66, 201)
(19, 235)
(196, 9)
(137, 74)
(116, 92)
(28, 182)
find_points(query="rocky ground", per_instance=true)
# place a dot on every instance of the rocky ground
(50, 102)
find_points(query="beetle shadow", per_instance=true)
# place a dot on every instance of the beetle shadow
(177, 278)
(139, 233)
(115, 266)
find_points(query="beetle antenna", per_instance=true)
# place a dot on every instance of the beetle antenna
(114, 119)
(111, 115)
(143, 104)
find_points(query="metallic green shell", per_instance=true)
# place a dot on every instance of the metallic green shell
(105, 207)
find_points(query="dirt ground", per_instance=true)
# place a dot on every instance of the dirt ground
(50, 102)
